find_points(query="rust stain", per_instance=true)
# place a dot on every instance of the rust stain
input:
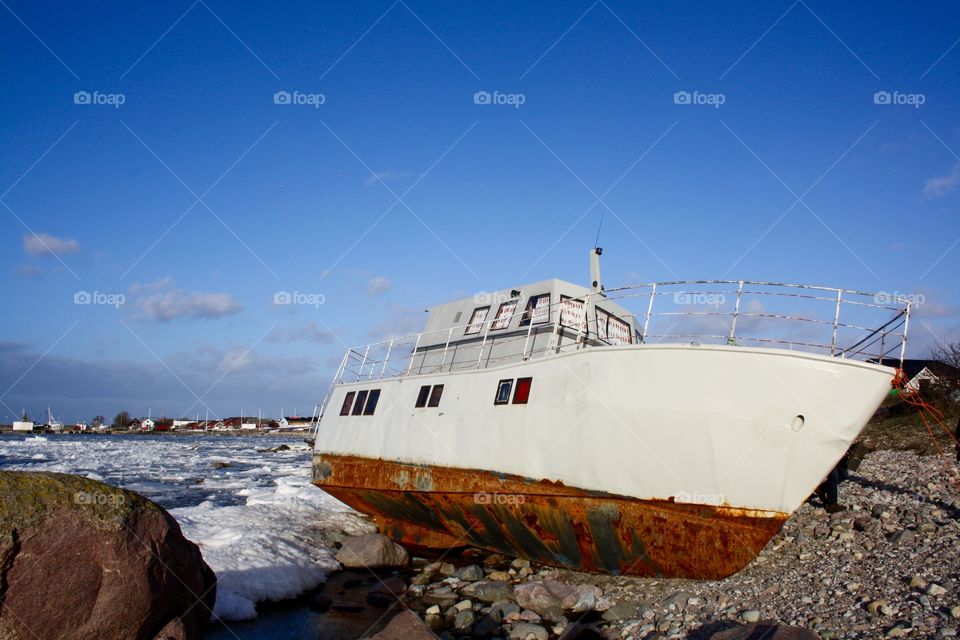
(548, 522)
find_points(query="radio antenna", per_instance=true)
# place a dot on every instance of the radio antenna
(596, 242)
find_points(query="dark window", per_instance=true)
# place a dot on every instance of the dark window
(372, 400)
(522, 393)
(347, 403)
(537, 311)
(422, 396)
(435, 395)
(503, 392)
(358, 405)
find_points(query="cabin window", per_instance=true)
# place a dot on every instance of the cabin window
(358, 405)
(504, 315)
(603, 322)
(435, 395)
(503, 392)
(618, 331)
(347, 403)
(572, 313)
(372, 401)
(477, 319)
(537, 311)
(522, 393)
(422, 396)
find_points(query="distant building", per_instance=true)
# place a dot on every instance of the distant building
(22, 426)
(925, 372)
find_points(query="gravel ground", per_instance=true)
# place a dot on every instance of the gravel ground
(887, 566)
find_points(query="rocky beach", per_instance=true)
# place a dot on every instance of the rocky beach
(886, 566)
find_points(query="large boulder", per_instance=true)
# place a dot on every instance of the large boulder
(372, 551)
(80, 559)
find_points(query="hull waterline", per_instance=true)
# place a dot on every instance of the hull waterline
(430, 507)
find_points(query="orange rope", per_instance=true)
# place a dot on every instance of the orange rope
(924, 408)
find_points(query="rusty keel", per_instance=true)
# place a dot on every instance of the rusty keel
(440, 507)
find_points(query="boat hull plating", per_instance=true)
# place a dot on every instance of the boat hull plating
(431, 507)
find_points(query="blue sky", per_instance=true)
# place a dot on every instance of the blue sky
(178, 182)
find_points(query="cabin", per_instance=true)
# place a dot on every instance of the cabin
(488, 329)
(23, 425)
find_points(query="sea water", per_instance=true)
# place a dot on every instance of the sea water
(253, 512)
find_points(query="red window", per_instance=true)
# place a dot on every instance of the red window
(347, 403)
(521, 393)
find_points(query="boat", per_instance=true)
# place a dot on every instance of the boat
(660, 429)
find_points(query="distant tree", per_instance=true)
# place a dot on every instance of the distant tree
(25, 417)
(122, 420)
(98, 421)
(947, 353)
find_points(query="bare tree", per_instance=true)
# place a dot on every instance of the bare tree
(948, 354)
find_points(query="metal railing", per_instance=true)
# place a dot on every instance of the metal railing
(849, 324)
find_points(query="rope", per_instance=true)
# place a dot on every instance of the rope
(924, 408)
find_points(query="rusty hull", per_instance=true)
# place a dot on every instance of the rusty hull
(430, 507)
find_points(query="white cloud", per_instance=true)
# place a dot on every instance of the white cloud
(38, 244)
(177, 303)
(941, 185)
(378, 285)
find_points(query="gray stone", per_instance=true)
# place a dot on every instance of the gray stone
(622, 611)
(463, 621)
(541, 595)
(372, 551)
(469, 573)
(493, 591)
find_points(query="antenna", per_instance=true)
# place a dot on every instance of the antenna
(596, 241)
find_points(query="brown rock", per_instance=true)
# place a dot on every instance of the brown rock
(82, 559)
(405, 626)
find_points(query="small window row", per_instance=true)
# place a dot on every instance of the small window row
(521, 392)
(429, 396)
(360, 403)
(537, 311)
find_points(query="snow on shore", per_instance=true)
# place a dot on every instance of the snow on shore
(267, 549)
(258, 520)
